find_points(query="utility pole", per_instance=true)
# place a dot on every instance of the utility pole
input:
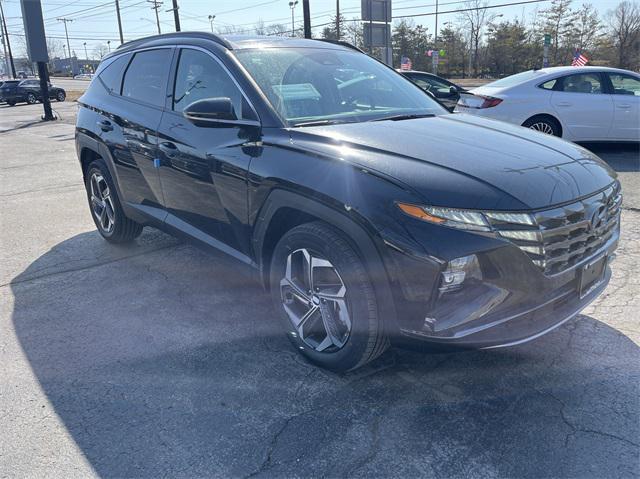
(66, 32)
(435, 45)
(306, 15)
(338, 19)
(119, 22)
(176, 16)
(211, 19)
(6, 35)
(156, 6)
(86, 57)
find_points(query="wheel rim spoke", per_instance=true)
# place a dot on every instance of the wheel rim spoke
(315, 299)
(101, 202)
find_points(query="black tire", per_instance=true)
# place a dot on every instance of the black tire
(367, 339)
(61, 96)
(31, 98)
(124, 230)
(544, 124)
(11, 103)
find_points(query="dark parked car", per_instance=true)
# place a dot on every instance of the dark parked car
(28, 91)
(370, 213)
(446, 92)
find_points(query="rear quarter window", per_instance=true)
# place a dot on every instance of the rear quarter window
(110, 78)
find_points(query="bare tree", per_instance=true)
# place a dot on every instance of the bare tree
(100, 50)
(475, 19)
(587, 28)
(260, 28)
(624, 22)
(557, 21)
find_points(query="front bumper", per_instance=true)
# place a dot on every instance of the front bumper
(513, 303)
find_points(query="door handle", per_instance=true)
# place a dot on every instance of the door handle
(169, 149)
(624, 106)
(105, 125)
(564, 103)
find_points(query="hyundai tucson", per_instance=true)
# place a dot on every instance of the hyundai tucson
(371, 214)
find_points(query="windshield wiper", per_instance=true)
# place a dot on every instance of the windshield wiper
(406, 116)
(318, 123)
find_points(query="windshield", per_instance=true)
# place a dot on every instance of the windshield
(317, 85)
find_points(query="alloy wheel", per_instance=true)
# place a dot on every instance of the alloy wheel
(60, 96)
(102, 203)
(314, 297)
(542, 127)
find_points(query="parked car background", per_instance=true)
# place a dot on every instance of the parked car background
(448, 93)
(28, 91)
(576, 103)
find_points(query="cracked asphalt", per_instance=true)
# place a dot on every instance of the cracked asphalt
(161, 360)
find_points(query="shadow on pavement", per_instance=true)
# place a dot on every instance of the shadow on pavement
(169, 362)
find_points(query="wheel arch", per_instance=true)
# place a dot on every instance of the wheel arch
(283, 210)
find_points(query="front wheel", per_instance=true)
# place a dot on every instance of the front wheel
(321, 288)
(60, 96)
(31, 98)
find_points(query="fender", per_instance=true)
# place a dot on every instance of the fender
(361, 236)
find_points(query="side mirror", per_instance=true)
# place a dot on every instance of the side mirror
(210, 109)
(453, 90)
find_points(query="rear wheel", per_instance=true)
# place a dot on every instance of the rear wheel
(11, 102)
(326, 299)
(544, 124)
(60, 96)
(106, 210)
(31, 98)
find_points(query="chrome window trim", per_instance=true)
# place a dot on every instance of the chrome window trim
(235, 82)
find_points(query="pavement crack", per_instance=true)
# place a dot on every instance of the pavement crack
(37, 190)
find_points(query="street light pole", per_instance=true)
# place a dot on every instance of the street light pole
(86, 57)
(119, 21)
(292, 6)
(109, 45)
(211, 19)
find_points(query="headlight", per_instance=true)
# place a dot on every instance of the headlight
(519, 226)
(461, 219)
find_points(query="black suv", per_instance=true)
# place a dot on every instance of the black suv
(28, 91)
(371, 214)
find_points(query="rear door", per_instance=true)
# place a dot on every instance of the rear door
(204, 167)
(625, 91)
(583, 106)
(128, 121)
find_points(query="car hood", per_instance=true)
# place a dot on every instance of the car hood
(463, 161)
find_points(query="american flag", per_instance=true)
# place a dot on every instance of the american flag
(579, 60)
(405, 63)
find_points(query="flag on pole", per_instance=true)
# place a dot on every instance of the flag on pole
(579, 60)
(405, 63)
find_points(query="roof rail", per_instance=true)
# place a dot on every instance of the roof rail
(203, 35)
(341, 43)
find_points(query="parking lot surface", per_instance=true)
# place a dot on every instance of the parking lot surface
(158, 359)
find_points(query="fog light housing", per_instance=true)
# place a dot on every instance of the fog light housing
(458, 270)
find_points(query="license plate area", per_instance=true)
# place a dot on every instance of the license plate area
(592, 274)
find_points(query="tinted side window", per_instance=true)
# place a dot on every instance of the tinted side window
(111, 76)
(146, 75)
(582, 83)
(624, 84)
(199, 76)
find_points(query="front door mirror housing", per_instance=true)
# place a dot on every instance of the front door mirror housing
(210, 109)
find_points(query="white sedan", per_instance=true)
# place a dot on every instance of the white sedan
(575, 103)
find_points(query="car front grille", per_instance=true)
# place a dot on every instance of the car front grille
(564, 236)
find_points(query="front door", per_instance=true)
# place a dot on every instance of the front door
(625, 91)
(204, 166)
(583, 106)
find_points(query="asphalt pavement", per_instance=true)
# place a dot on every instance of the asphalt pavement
(158, 359)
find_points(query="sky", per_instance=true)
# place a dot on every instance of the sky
(94, 21)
